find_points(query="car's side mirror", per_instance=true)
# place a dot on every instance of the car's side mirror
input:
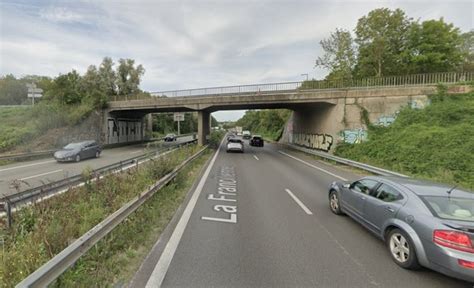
(347, 185)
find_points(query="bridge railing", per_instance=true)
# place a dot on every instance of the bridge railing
(388, 81)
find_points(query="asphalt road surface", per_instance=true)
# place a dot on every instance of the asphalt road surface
(35, 173)
(273, 229)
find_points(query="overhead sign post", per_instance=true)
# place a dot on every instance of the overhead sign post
(178, 117)
(34, 92)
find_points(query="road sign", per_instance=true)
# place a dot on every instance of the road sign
(179, 116)
(35, 92)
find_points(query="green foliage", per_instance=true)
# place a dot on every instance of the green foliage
(128, 77)
(13, 127)
(43, 230)
(390, 43)
(13, 91)
(68, 99)
(21, 124)
(268, 123)
(434, 143)
(65, 89)
(215, 138)
(381, 39)
(339, 55)
(467, 50)
(433, 46)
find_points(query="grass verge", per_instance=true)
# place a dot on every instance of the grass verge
(46, 228)
(435, 143)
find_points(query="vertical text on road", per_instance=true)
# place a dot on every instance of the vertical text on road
(226, 194)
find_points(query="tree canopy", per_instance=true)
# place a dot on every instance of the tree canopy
(339, 56)
(95, 87)
(388, 42)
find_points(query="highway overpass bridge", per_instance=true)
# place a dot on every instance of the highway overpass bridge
(324, 112)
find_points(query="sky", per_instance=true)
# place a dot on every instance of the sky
(191, 44)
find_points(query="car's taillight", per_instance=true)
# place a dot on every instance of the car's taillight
(453, 239)
(465, 263)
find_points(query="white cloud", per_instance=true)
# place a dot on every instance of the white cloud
(60, 14)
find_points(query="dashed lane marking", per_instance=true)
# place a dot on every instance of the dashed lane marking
(313, 166)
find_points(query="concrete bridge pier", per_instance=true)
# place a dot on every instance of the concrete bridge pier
(204, 126)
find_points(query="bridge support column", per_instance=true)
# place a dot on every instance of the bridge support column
(204, 126)
(148, 127)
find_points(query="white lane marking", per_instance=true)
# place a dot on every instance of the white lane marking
(298, 201)
(29, 165)
(312, 166)
(161, 268)
(256, 158)
(42, 174)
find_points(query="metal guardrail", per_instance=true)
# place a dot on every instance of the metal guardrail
(388, 81)
(21, 156)
(52, 269)
(46, 190)
(27, 155)
(366, 167)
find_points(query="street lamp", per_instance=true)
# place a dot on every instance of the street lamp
(306, 74)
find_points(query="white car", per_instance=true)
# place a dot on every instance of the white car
(235, 144)
(246, 134)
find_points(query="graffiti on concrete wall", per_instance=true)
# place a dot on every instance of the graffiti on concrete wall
(314, 141)
(418, 103)
(386, 120)
(354, 136)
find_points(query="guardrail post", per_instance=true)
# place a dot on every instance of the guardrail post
(8, 210)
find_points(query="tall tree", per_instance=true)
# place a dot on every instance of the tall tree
(108, 77)
(12, 91)
(66, 88)
(94, 88)
(339, 55)
(434, 46)
(128, 76)
(381, 37)
(467, 50)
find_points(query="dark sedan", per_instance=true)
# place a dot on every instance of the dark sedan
(256, 140)
(170, 138)
(423, 223)
(78, 151)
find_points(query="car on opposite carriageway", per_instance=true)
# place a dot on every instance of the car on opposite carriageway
(78, 151)
(170, 137)
(422, 223)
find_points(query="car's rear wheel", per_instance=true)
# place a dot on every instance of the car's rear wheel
(334, 203)
(402, 250)
(78, 158)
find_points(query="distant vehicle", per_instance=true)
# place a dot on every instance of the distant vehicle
(256, 140)
(238, 129)
(78, 151)
(239, 133)
(230, 136)
(422, 223)
(170, 138)
(235, 144)
(246, 134)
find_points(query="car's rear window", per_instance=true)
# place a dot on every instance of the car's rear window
(233, 140)
(453, 208)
